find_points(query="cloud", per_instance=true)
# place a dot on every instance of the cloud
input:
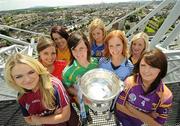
(20, 4)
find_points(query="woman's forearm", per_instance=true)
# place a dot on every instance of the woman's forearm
(144, 117)
(58, 118)
(54, 118)
(125, 110)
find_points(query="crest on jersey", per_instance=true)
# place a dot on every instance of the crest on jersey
(132, 97)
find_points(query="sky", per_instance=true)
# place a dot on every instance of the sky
(21, 4)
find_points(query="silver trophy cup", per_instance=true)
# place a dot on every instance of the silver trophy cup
(100, 86)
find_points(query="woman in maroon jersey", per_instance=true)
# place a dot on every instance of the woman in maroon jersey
(42, 98)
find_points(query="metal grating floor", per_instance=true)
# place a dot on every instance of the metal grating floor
(10, 114)
(101, 120)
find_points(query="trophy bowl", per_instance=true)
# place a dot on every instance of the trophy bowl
(100, 86)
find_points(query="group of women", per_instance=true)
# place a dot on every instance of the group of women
(48, 86)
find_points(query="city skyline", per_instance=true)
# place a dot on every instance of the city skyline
(22, 4)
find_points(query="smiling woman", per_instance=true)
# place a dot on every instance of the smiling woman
(97, 33)
(42, 98)
(60, 36)
(47, 56)
(80, 63)
(139, 44)
(145, 99)
(25, 77)
(116, 55)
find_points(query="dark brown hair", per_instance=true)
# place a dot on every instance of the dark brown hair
(59, 30)
(155, 58)
(74, 40)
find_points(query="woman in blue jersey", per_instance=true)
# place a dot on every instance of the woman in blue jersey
(97, 33)
(146, 100)
(116, 55)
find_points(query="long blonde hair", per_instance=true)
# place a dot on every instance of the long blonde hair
(142, 35)
(45, 85)
(96, 23)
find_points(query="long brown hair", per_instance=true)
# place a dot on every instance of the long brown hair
(155, 58)
(74, 40)
(59, 30)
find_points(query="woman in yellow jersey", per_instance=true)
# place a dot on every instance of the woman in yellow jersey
(60, 36)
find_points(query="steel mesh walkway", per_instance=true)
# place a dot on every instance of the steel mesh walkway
(10, 114)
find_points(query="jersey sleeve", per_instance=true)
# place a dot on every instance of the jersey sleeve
(65, 78)
(102, 62)
(122, 97)
(23, 106)
(24, 111)
(60, 93)
(163, 110)
(128, 84)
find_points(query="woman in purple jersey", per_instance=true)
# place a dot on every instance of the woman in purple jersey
(145, 99)
(42, 99)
